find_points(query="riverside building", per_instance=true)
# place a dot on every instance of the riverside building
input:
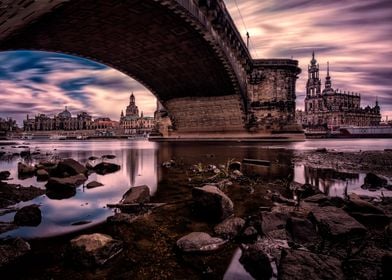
(331, 108)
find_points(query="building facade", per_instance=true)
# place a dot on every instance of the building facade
(64, 121)
(332, 108)
(134, 124)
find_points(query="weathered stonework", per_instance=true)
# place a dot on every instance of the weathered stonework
(271, 94)
(207, 114)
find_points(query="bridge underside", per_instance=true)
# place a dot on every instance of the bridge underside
(192, 65)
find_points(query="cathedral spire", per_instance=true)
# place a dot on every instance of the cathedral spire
(328, 82)
(327, 68)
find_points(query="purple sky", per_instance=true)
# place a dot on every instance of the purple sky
(353, 35)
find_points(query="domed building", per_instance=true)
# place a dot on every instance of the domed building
(133, 124)
(65, 114)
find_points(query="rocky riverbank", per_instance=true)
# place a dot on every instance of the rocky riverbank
(202, 214)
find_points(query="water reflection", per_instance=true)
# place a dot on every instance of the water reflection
(140, 163)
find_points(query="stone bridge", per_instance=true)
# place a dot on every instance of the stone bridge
(188, 53)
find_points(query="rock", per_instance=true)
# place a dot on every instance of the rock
(374, 181)
(256, 262)
(168, 164)
(335, 223)
(229, 228)
(69, 166)
(317, 198)
(65, 183)
(4, 175)
(199, 242)
(306, 190)
(25, 171)
(236, 174)
(300, 265)
(42, 175)
(59, 194)
(388, 234)
(28, 216)
(93, 184)
(272, 221)
(109, 156)
(249, 235)
(104, 168)
(94, 249)
(302, 231)
(139, 194)
(235, 165)
(11, 250)
(321, 150)
(92, 158)
(212, 203)
(356, 204)
(25, 154)
(370, 219)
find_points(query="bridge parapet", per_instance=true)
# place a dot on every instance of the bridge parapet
(214, 22)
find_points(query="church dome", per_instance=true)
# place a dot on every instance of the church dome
(65, 114)
(328, 91)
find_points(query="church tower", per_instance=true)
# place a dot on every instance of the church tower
(132, 110)
(313, 86)
(328, 83)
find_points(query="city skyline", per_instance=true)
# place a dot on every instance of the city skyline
(351, 35)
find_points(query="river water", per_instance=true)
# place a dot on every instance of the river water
(140, 163)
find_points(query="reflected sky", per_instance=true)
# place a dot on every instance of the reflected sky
(140, 163)
(354, 36)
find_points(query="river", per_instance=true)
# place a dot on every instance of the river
(140, 163)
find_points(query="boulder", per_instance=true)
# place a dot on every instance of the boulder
(317, 198)
(138, 194)
(104, 168)
(42, 175)
(199, 242)
(11, 250)
(92, 158)
(335, 223)
(386, 264)
(356, 204)
(94, 249)
(211, 203)
(235, 165)
(94, 184)
(25, 171)
(302, 231)
(25, 154)
(249, 235)
(300, 265)
(4, 175)
(69, 166)
(273, 221)
(28, 216)
(229, 228)
(256, 262)
(374, 181)
(65, 183)
(108, 156)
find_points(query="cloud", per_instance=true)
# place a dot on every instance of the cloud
(352, 35)
(41, 82)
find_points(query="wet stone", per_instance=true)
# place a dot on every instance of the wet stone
(138, 194)
(256, 262)
(4, 175)
(272, 221)
(373, 181)
(106, 168)
(65, 183)
(229, 228)
(94, 249)
(70, 166)
(11, 250)
(211, 203)
(334, 222)
(28, 216)
(199, 242)
(42, 175)
(25, 171)
(300, 265)
(302, 231)
(93, 184)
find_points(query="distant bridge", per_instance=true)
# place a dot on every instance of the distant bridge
(188, 53)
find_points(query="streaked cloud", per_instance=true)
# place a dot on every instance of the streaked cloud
(354, 36)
